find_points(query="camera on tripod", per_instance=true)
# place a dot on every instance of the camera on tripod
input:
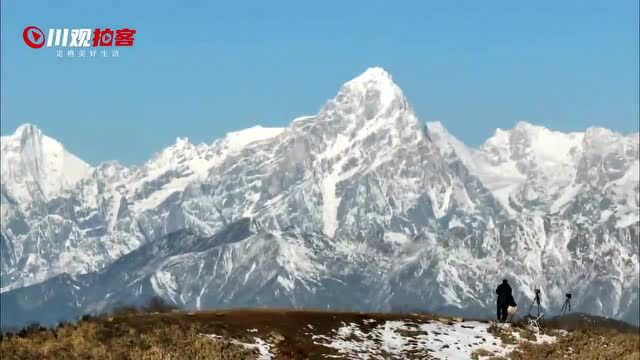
(568, 296)
(536, 301)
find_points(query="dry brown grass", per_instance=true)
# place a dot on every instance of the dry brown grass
(91, 340)
(527, 334)
(484, 353)
(585, 344)
(85, 341)
(131, 333)
(121, 335)
(505, 334)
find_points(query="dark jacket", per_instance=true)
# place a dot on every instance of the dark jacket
(504, 292)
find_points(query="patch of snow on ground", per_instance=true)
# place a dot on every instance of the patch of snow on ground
(403, 339)
(261, 346)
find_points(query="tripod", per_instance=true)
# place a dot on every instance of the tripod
(535, 321)
(567, 305)
(536, 300)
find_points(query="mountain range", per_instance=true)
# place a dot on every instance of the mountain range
(361, 206)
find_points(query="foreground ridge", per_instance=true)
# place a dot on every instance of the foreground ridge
(309, 334)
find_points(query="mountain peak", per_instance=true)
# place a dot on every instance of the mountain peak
(23, 134)
(26, 128)
(373, 92)
(34, 164)
(523, 125)
(373, 74)
(374, 78)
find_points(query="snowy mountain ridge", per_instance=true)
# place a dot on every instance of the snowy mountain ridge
(531, 163)
(360, 206)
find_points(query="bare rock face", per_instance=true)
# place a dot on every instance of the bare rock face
(360, 206)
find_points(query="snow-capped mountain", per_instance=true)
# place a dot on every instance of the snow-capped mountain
(361, 206)
(531, 168)
(36, 167)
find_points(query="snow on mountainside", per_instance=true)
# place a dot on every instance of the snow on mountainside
(37, 167)
(360, 206)
(533, 168)
(54, 224)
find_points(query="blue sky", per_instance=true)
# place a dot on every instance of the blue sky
(200, 69)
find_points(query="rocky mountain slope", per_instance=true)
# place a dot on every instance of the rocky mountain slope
(361, 206)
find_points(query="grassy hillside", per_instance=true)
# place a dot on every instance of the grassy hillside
(297, 334)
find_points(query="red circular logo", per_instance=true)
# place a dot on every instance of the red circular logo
(33, 37)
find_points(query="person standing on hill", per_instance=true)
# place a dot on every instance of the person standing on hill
(504, 298)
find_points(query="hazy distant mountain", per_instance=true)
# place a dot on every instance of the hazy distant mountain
(361, 206)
